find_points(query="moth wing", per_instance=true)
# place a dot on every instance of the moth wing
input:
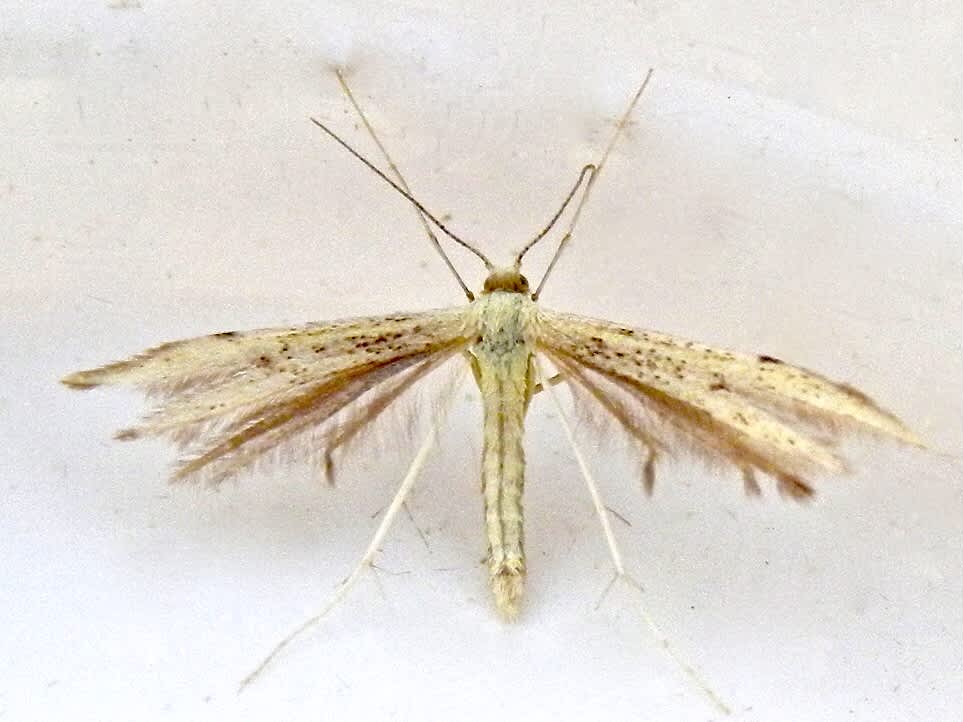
(755, 412)
(229, 398)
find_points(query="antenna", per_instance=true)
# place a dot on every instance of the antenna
(433, 239)
(381, 174)
(588, 170)
(623, 121)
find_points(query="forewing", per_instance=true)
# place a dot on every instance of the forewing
(229, 398)
(756, 412)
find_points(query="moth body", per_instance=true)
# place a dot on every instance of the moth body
(501, 358)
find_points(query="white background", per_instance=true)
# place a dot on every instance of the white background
(790, 185)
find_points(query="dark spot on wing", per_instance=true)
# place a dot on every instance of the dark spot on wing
(769, 360)
(794, 487)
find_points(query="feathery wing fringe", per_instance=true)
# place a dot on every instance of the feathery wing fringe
(734, 407)
(230, 398)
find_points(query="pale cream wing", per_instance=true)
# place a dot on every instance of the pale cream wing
(756, 412)
(229, 398)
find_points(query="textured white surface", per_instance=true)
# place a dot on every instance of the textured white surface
(791, 186)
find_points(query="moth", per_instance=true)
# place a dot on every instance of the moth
(230, 399)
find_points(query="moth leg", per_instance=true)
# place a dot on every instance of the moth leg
(614, 551)
(411, 518)
(473, 365)
(620, 573)
(366, 560)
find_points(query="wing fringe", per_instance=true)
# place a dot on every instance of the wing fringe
(231, 398)
(743, 410)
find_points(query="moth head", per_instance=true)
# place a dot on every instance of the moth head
(506, 279)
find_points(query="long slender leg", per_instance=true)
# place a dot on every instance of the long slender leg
(616, 555)
(614, 551)
(345, 586)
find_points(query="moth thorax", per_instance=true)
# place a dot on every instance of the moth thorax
(506, 279)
